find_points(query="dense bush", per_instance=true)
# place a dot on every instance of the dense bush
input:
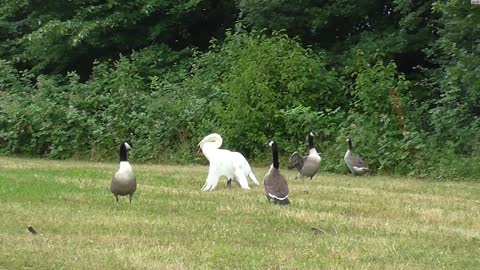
(376, 120)
(400, 77)
(261, 77)
(123, 100)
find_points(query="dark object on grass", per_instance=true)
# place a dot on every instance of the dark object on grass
(31, 230)
(317, 230)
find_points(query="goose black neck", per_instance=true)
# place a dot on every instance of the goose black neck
(276, 164)
(123, 152)
(350, 146)
(310, 142)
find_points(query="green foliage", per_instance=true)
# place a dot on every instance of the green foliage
(55, 37)
(376, 121)
(399, 76)
(326, 124)
(321, 22)
(459, 102)
(454, 114)
(262, 76)
(122, 101)
(43, 121)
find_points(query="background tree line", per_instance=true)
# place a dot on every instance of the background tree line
(401, 77)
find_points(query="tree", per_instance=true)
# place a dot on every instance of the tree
(60, 36)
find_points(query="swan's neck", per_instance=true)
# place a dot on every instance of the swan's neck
(209, 149)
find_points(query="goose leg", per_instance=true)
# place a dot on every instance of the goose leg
(229, 183)
(130, 198)
(116, 200)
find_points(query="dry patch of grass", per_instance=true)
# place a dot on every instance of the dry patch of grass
(370, 222)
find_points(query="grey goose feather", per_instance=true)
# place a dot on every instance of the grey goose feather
(123, 181)
(308, 165)
(275, 184)
(356, 165)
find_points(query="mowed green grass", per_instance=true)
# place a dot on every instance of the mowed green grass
(370, 222)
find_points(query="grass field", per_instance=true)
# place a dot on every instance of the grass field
(370, 222)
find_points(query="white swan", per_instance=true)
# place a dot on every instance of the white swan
(224, 163)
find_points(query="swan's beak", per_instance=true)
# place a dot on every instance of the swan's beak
(199, 151)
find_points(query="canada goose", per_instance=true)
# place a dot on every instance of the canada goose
(276, 186)
(123, 181)
(355, 163)
(306, 165)
(232, 165)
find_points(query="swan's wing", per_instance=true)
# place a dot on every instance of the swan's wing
(210, 184)
(212, 179)
(254, 179)
(240, 160)
(242, 181)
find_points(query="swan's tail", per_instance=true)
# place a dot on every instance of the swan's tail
(254, 179)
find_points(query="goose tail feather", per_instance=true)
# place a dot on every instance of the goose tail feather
(281, 202)
(278, 200)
